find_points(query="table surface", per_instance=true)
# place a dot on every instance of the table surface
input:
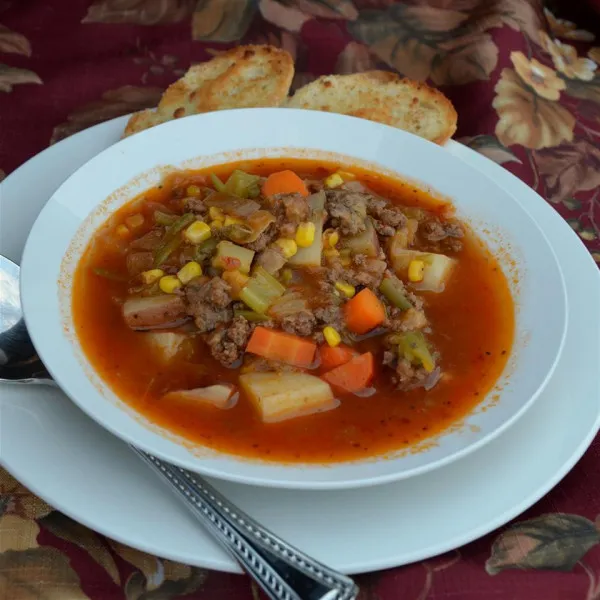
(524, 99)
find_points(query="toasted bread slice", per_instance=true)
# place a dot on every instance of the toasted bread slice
(243, 77)
(383, 97)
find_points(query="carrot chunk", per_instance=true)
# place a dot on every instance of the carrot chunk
(354, 375)
(334, 357)
(285, 347)
(284, 182)
(364, 312)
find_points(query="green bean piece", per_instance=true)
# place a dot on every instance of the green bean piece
(250, 315)
(165, 250)
(219, 185)
(413, 347)
(393, 290)
(163, 218)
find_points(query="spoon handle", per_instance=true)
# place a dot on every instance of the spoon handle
(281, 570)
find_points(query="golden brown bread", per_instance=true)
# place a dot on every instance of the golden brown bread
(243, 77)
(383, 97)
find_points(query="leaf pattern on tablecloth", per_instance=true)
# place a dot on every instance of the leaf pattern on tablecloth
(554, 541)
(489, 146)
(567, 30)
(114, 103)
(38, 573)
(222, 20)
(66, 529)
(139, 12)
(11, 76)
(424, 42)
(11, 41)
(156, 578)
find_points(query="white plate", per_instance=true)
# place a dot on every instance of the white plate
(75, 465)
(70, 219)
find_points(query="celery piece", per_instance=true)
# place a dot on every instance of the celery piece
(261, 291)
(393, 290)
(240, 183)
(219, 185)
(163, 218)
(414, 349)
(231, 255)
(250, 315)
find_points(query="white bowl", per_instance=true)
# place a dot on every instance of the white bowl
(121, 172)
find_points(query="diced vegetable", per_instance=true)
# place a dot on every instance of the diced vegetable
(230, 256)
(393, 289)
(232, 205)
(332, 337)
(243, 184)
(290, 303)
(366, 242)
(237, 280)
(282, 396)
(193, 190)
(221, 396)
(334, 180)
(364, 312)
(172, 238)
(151, 275)
(413, 347)
(122, 231)
(346, 289)
(311, 256)
(284, 182)
(285, 347)
(305, 234)
(135, 221)
(250, 315)
(166, 343)
(438, 268)
(154, 312)
(189, 271)
(169, 284)
(205, 249)
(403, 237)
(162, 218)
(197, 232)
(261, 291)
(289, 248)
(249, 229)
(353, 376)
(332, 357)
(218, 184)
(330, 238)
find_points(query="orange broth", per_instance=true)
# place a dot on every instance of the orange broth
(472, 322)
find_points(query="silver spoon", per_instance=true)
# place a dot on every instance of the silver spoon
(284, 572)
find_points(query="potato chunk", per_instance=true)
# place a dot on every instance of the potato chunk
(166, 343)
(438, 268)
(282, 396)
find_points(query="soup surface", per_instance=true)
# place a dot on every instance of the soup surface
(291, 310)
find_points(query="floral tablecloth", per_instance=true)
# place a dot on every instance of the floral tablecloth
(526, 85)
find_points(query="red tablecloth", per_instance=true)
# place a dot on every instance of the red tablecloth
(524, 99)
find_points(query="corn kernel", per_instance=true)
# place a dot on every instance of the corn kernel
(189, 271)
(288, 247)
(152, 275)
(135, 221)
(216, 213)
(286, 276)
(216, 224)
(346, 176)
(331, 253)
(416, 270)
(197, 232)
(346, 289)
(122, 231)
(332, 337)
(169, 284)
(232, 221)
(305, 234)
(331, 237)
(193, 190)
(333, 181)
